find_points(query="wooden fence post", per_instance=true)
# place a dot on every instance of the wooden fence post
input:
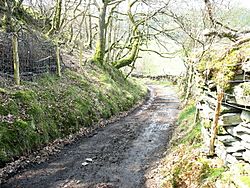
(58, 60)
(16, 58)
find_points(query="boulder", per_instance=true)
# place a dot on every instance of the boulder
(230, 119)
(245, 116)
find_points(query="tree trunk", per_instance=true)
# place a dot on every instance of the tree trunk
(7, 22)
(130, 58)
(16, 59)
(90, 33)
(56, 18)
(81, 51)
(214, 129)
(101, 41)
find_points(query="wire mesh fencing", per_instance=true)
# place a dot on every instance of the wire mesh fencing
(37, 56)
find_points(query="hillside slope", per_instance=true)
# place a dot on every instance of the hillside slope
(51, 107)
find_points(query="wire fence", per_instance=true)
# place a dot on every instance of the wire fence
(37, 56)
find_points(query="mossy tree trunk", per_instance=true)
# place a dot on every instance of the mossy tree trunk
(81, 51)
(16, 58)
(7, 18)
(101, 41)
(9, 27)
(56, 18)
(90, 33)
(215, 126)
(135, 40)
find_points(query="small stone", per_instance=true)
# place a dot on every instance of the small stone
(85, 164)
(89, 160)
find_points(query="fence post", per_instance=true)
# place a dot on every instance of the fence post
(16, 58)
(58, 60)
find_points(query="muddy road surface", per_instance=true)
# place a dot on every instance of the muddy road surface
(118, 155)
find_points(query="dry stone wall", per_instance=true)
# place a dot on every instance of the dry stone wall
(233, 140)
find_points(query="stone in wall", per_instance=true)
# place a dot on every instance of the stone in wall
(231, 129)
(245, 144)
(230, 119)
(246, 66)
(206, 136)
(243, 128)
(240, 96)
(227, 139)
(245, 116)
(222, 130)
(221, 152)
(235, 148)
(239, 131)
(231, 159)
(228, 109)
(206, 112)
(246, 156)
(245, 138)
(238, 155)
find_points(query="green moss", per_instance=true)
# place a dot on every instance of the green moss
(186, 113)
(55, 107)
(211, 174)
(246, 88)
(245, 180)
(25, 95)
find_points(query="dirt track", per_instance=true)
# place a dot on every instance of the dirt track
(122, 153)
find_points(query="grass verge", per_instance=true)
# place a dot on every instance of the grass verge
(51, 107)
(184, 165)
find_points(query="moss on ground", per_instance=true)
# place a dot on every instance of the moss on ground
(52, 107)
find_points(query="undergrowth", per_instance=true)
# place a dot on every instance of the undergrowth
(51, 107)
(184, 165)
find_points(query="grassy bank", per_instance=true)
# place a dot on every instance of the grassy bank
(51, 107)
(185, 165)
